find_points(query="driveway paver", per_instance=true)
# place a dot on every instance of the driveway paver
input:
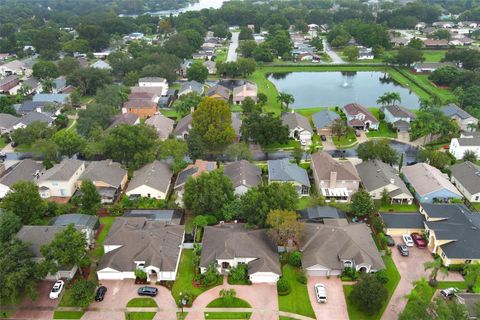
(336, 306)
(42, 301)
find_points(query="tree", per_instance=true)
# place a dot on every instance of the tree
(16, 262)
(415, 43)
(418, 304)
(186, 103)
(10, 224)
(212, 121)
(339, 128)
(69, 142)
(207, 193)
(472, 275)
(284, 227)
(24, 201)
(228, 295)
(442, 34)
(285, 99)
(297, 154)
(446, 311)
(317, 43)
(67, 65)
(386, 199)
(111, 95)
(362, 203)
(435, 158)
(88, 80)
(407, 56)
(239, 151)
(378, 149)
(90, 199)
(95, 116)
(262, 99)
(264, 128)
(247, 47)
(470, 155)
(263, 53)
(351, 53)
(446, 75)
(436, 265)
(45, 70)
(176, 150)
(245, 34)
(68, 248)
(197, 72)
(248, 105)
(389, 98)
(368, 294)
(246, 66)
(257, 202)
(83, 292)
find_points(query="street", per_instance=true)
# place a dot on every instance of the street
(333, 55)
(232, 50)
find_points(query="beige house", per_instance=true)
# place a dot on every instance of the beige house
(247, 90)
(60, 181)
(151, 181)
(334, 179)
(466, 177)
(162, 124)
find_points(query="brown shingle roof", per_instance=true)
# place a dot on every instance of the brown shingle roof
(324, 164)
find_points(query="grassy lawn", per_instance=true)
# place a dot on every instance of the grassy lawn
(394, 278)
(23, 148)
(297, 301)
(235, 303)
(425, 293)
(221, 55)
(3, 143)
(382, 132)
(345, 141)
(228, 315)
(396, 207)
(139, 315)
(476, 205)
(308, 112)
(97, 253)
(303, 203)
(274, 146)
(68, 314)
(444, 94)
(462, 285)
(433, 55)
(142, 303)
(170, 114)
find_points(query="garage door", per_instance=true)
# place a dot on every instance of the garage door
(264, 278)
(109, 276)
(318, 273)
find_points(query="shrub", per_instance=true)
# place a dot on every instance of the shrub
(239, 273)
(456, 267)
(83, 292)
(382, 276)
(210, 276)
(140, 274)
(350, 273)
(283, 287)
(295, 259)
(368, 294)
(211, 220)
(116, 210)
(302, 278)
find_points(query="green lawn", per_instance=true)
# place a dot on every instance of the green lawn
(97, 253)
(394, 278)
(303, 203)
(235, 303)
(382, 132)
(68, 314)
(433, 55)
(424, 293)
(228, 315)
(142, 303)
(345, 141)
(221, 55)
(139, 315)
(462, 285)
(3, 143)
(396, 207)
(170, 114)
(23, 148)
(297, 301)
(275, 146)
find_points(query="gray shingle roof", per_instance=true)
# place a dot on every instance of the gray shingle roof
(283, 170)
(37, 236)
(125, 118)
(165, 215)
(191, 86)
(222, 91)
(469, 141)
(399, 112)
(426, 179)
(162, 124)
(322, 212)
(34, 116)
(468, 175)
(62, 171)
(243, 173)
(453, 110)
(183, 125)
(156, 175)
(79, 220)
(25, 170)
(398, 220)
(105, 171)
(324, 164)
(230, 241)
(324, 119)
(7, 120)
(294, 120)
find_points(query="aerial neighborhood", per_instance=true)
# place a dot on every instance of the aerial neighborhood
(240, 159)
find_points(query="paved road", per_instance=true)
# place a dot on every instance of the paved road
(232, 50)
(333, 55)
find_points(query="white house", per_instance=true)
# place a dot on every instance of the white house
(458, 146)
(61, 180)
(151, 181)
(298, 126)
(399, 117)
(25, 170)
(154, 82)
(139, 243)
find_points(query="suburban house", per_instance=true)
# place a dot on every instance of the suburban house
(8, 83)
(192, 170)
(154, 82)
(130, 119)
(53, 98)
(100, 64)
(7, 122)
(429, 67)
(191, 87)
(334, 179)
(320, 213)
(247, 90)
(85, 223)
(31, 117)
(453, 232)
(466, 177)
(211, 66)
(229, 245)
(108, 177)
(324, 120)
(327, 249)
(38, 236)
(458, 146)
(399, 117)
(430, 184)
(378, 176)
(162, 124)
(25, 170)
(283, 171)
(143, 108)
(138, 243)
(153, 93)
(399, 223)
(60, 181)
(219, 92)
(244, 175)
(151, 181)
(435, 44)
(298, 127)
(183, 127)
(16, 67)
(465, 121)
(358, 117)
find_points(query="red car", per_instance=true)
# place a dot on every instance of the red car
(418, 240)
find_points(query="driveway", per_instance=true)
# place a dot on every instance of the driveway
(332, 54)
(336, 307)
(411, 270)
(328, 145)
(42, 307)
(232, 49)
(262, 297)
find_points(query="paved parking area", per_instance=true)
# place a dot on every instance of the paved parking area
(336, 307)
(42, 301)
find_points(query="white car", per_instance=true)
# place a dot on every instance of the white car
(321, 293)
(57, 289)
(407, 239)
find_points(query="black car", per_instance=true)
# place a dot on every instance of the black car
(147, 291)
(100, 293)
(403, 249)
(323, 138)
(389, 240)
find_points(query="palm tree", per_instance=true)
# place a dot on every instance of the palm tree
(338, 128)
(395, 97)
(470, 155)
(382, 100)
(285, 99)
(436, 265)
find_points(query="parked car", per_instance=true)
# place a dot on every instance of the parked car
(407, 240)
(389, 240)
(418, 240)
(56, 289)
(403, 249)
(321, 293)
(101, 291)
(323, 137)
(449, 292)
(147, 291)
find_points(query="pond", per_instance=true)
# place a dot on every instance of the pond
(327, 89)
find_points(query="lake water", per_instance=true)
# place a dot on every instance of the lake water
(197, 6)
(327, 89)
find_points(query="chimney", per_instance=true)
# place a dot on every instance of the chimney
(333, 179)
(392, 180)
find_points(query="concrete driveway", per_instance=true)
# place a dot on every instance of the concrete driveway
(232, 49)
(411, 269)
(336, 307)
(42, 307)
(328, 145)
